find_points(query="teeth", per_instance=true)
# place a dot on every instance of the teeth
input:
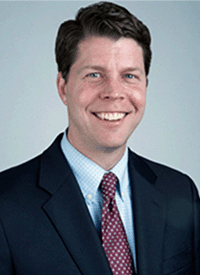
(111, 116)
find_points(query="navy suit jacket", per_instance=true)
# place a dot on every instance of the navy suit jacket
(46, 229)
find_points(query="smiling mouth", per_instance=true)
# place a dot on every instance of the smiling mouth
(110, 116)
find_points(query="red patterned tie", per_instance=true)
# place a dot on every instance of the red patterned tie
(114, 239)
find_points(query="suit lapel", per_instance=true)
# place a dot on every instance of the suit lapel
(149, 216)
(69, 214)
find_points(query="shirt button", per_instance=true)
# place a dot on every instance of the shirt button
(123, 195)
(89, 196)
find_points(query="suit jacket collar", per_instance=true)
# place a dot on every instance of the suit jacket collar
(68, 212)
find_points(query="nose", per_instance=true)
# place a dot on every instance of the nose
(112, 90)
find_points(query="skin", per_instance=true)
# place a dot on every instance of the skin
(107, 77)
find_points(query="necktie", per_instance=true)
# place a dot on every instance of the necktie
(114, 239)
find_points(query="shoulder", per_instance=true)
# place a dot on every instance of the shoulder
(19, 173)
(27, 173)
(156, 167)
(166, 179)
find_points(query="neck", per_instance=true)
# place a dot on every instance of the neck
(106, 158)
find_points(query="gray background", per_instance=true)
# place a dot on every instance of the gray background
(32, 113)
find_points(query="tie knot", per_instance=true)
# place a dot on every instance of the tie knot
(108, 185)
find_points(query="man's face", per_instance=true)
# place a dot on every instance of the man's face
(105, 93)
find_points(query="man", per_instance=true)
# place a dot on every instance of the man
(57, 213)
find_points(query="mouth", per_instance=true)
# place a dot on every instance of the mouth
(110, 116)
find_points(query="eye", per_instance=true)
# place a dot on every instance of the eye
(94, 75)
(129, 76)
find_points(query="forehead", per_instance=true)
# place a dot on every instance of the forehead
(104, 50)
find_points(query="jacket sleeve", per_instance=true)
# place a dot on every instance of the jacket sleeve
(5, 257)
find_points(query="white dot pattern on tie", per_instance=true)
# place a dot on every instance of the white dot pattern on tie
(114, 239)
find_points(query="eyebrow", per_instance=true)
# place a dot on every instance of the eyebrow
(93, 67)
(133, 69)
(100, 68)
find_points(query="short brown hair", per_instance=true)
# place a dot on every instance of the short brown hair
(101, 19)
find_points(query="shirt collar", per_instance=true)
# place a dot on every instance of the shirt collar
(89, 174)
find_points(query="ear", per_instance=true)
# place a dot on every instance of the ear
(61, 86)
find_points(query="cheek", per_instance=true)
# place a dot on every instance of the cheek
(142, 99)
(138, 98)
(86, 96)
(74, 95)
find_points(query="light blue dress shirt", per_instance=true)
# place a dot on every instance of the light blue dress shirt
(89, 175)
